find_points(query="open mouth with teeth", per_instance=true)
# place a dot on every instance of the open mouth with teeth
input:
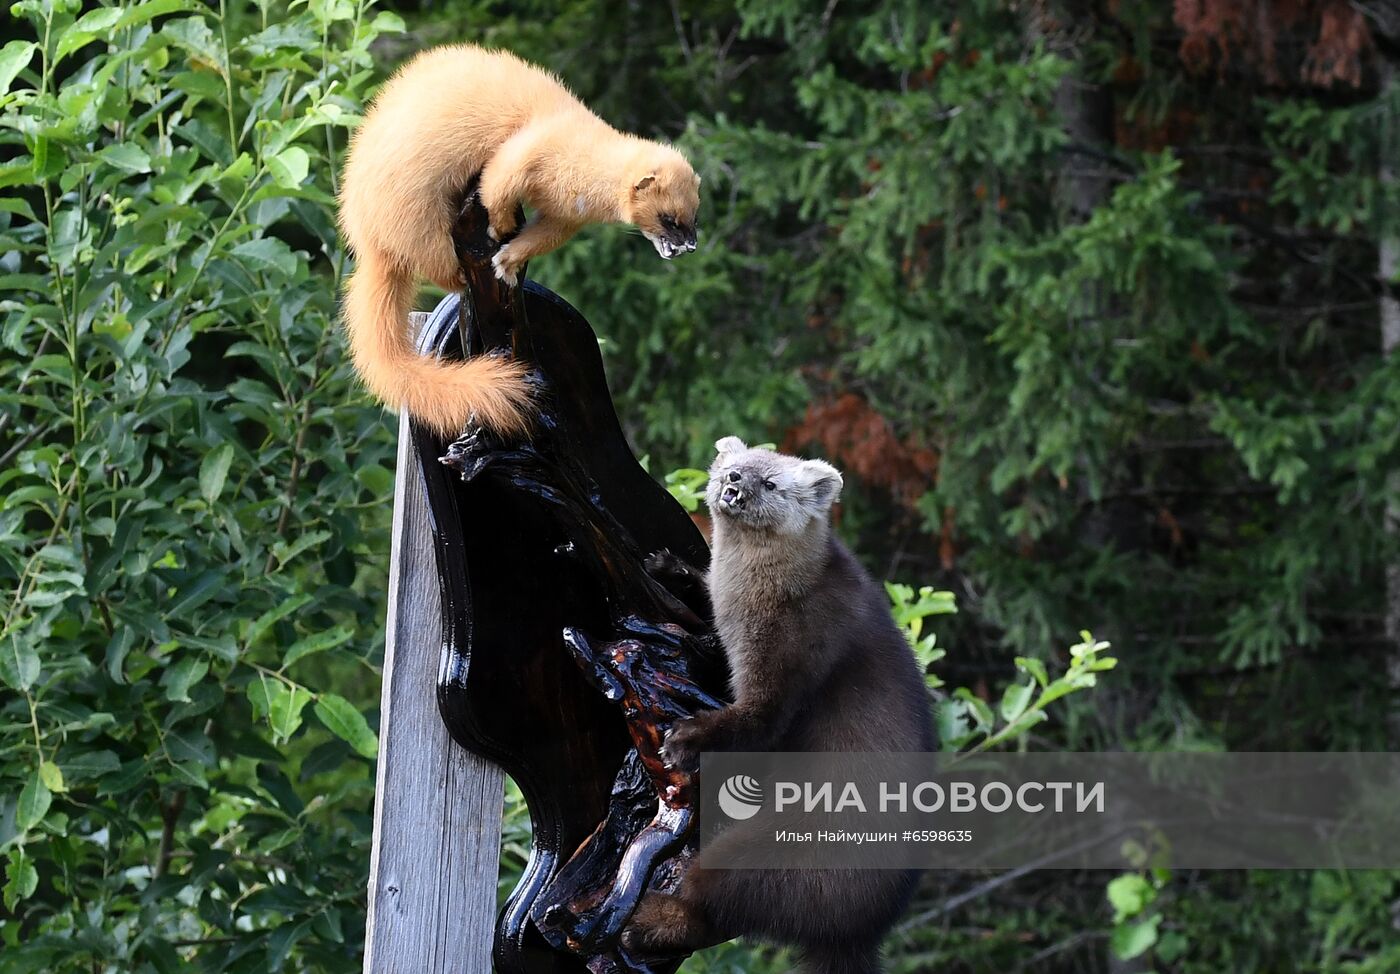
(732, 497)
(668, 245)
(674, 238)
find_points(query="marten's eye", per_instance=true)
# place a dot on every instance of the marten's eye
(668, 222)
(769, 485)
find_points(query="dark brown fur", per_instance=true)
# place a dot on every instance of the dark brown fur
(819, 665)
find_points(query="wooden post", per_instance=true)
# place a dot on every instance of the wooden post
(437, 810)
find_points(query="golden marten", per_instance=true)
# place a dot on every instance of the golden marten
(448, 114)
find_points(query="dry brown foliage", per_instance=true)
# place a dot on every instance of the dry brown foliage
(1247, 33)
(858, 439)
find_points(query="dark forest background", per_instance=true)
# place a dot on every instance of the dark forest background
(1094, 303)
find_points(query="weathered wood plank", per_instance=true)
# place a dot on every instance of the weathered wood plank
(437, 815)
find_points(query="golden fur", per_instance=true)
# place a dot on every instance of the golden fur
(447, 114)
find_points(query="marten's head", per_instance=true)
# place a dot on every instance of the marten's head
(763, 490)
(663, 201)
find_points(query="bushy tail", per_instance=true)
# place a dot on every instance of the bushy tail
(843, 959)
(443, 395)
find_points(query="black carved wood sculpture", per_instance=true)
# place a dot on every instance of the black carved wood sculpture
(564, 660)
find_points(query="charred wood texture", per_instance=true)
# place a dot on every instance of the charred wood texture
(564, 659)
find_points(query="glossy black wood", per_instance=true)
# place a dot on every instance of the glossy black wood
(533, 538)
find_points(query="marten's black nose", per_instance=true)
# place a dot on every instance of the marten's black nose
(734, 476)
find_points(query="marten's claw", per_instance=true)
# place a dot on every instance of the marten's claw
(468, 462)
(633, 940)
(666, 566)
(681, 749)
(472, 452)
(505, 267)
(660, 564)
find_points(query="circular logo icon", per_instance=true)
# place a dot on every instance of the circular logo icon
(740, 797)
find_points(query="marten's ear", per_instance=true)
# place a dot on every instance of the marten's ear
(822, 482)
(644, 182)
(729, 444)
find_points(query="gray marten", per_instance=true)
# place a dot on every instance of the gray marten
(817, 664)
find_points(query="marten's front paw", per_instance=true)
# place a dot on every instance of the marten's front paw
(500, 229)
(684, 743)
(473, 451)
(647, 943)
(638, 940)
(663, 564)
(506, 267)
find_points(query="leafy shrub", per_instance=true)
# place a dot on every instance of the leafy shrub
(195, 498)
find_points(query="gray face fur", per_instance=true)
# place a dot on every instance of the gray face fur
(763, 490)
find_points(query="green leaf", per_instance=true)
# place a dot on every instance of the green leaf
(1035, 668)
(327, 925)
(376, 479)
(19, 663)
(1015, 700)
(240, 168)
(285, 705)
(213, 471)
(22, 208)
(1129, 894)
(188, 747)
(14, 58)
(281, 941)
(389, 22)
(87, 29)
(51, 776)
(40, 154)
(204, 85)
(951, 718)
(289, 167)
(345, 721)
(87, 765)
(1134, 939)
(196, 593)
(146, 10)
(268, 619)
(127, 157)
(34, 801)
(316, 643)
(1171, 946)
(280, 703)
(117, 649)
(306, 541)
(183, 674)
(21, 878)
(257, 691)
(267, 254)
(976, 707)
